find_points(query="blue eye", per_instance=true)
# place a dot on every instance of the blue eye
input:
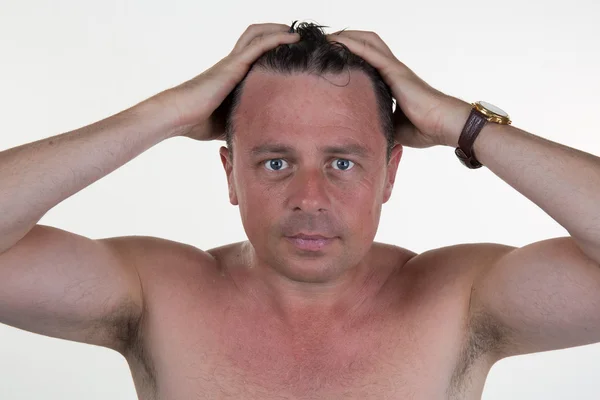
(275, 164)
(342, 164)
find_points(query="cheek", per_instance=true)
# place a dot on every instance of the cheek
(372, 201)
(361, 206)
(366, 194)
(257, 204)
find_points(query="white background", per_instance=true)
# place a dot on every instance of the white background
(66, 64)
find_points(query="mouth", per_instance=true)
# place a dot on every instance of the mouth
(310, 242)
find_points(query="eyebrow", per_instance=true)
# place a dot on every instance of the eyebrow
(347, 149)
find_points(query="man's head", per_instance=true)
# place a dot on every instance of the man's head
(310, 151)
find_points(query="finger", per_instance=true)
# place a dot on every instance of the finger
(263, 44)
(371, 38)
(369, 53)
(256, 30)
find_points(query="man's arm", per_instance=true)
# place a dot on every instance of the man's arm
(545, 295)
(539, 297)
(63, 285)
(37, 176)
(54, 282)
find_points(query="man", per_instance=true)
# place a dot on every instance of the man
(309, 307)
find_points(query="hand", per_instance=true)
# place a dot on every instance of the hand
(424, 116)
(194, 103)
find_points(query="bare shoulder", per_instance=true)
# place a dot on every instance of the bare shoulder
(464, 260)
(154, 256)
(152, 246)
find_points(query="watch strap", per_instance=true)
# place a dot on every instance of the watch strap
(464, 151)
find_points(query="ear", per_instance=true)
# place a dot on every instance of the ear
(391, 170)
(228, 166)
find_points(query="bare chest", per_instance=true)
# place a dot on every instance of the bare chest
(194, 346)
(252, 360)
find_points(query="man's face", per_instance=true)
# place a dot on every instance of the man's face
(309, 157)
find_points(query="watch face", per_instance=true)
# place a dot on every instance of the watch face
(494, 109)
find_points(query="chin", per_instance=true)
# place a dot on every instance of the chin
(310, 267)
(310, 272)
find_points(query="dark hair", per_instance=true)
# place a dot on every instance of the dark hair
(314, 54)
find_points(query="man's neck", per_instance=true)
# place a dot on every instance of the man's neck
(296, 304)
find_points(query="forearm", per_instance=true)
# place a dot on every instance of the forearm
(37, 176)
(563, 181)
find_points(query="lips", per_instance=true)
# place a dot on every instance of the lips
(310, 242)
(310, 236)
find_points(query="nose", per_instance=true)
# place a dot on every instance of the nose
(309, 192)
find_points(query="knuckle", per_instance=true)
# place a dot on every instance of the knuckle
(251, 28)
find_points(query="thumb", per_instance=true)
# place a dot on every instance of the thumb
(407, 134)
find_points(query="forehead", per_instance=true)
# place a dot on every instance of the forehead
(302, 108)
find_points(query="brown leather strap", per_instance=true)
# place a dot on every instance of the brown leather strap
(472, 127)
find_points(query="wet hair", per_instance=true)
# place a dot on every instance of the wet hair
(313, 54)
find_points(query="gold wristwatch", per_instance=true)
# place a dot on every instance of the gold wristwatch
(481, 113)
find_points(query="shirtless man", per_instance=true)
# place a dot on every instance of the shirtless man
(309, 307)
